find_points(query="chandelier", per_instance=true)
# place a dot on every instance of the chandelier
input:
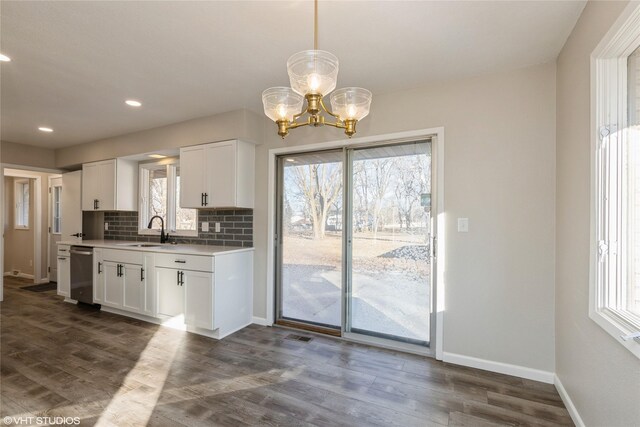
(313, 75)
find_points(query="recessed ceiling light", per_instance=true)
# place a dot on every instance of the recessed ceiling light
(45, 129)
(4, 58)
(133, 103)
(157, 156)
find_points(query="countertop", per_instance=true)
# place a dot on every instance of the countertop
(164, 248)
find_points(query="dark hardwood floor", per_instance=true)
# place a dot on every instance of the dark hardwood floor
(58, 359)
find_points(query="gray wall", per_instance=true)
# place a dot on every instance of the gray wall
(27, 155)
(499, 173)
(602, 377)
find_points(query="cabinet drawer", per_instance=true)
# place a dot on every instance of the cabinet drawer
(63, 250)
(185, 262)
(123, 256)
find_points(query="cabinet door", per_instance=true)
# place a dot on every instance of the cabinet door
(149, 290)
(198, 291)
(170, 292)
(133, 288)
(90, 185)
(192, 177)
(64, 276)
(106, 191)
(98, 276)
(221, 175)
(113, 286)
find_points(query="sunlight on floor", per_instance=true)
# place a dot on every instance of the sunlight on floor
(140, 397)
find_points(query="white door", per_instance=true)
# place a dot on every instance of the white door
(192, 177)
(133, 288)
(55, 218)
(198, 292)
(107, 185)
(170, 292)
(71, 224)
(221, 175)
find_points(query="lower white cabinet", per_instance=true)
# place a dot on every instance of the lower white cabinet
(126, 285)
(188, 293)
(170, 292)
(198, 299)
(64, 276)
(98, 276)
(210, 294)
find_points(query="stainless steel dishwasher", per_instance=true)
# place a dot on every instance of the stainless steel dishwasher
(82, 274)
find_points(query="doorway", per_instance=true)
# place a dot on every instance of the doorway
(354, 242)
(55, 224)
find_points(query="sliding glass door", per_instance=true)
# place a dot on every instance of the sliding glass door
(310, 239)
(354, 230)
(390, 203)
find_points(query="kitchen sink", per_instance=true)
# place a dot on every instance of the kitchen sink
(143, 245)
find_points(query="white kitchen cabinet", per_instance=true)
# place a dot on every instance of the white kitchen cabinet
(170, 292)
(110, 185)
(198, 299)
(98, 276)
(113, 285)
(64, 275)
(218, 175)
(133, 287)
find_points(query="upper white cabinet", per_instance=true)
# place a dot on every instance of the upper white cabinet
(218, 175)
(110, 185)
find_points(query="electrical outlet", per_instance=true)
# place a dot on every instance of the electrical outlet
(463, 225)
(217, 227)
(106, 226)
(205, 227)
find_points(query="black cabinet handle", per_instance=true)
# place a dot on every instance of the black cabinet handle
(178, 280)
(180, 261)
(120, 273)
(97, 204)
(142, 274)
(99, 268)
(201, 199)
(182, 278)
(206, 199)
(62, 259)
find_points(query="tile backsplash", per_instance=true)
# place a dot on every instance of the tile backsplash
(236, 228)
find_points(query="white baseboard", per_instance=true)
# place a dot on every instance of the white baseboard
(21, 275)
(260, 321)
(499, 367)
(573, 411)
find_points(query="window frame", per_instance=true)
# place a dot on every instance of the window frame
(56, 199)
(609, 121)
(171, 166)
(18, 198)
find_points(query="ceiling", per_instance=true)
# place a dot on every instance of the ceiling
(74, 63)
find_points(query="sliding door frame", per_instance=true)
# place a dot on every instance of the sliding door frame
(438, 288)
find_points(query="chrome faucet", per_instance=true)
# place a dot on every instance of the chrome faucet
(164, 238)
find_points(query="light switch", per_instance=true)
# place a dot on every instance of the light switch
(106, 226)
(205, 227)
(217, 227)
(463, 225)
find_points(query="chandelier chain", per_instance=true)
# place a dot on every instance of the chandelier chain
(315, 24)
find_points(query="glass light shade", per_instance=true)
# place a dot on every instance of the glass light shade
(351, 103)
(313, 71)
(281, 103)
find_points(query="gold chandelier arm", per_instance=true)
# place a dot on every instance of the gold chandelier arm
(326, 110)
(338, 125)
(293, 125)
